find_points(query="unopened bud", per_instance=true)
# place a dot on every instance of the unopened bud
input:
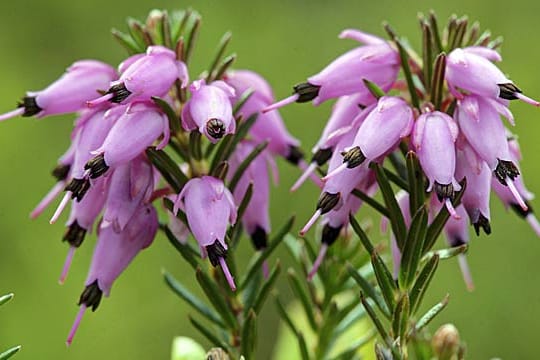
(446, 342)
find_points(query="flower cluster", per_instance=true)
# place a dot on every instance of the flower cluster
(112, 171)
(457, 134)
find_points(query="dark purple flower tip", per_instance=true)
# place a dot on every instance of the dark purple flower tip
(520, 211)
(119, 93)
(328, 201)
(96, 166)
(74, 234)
(295, 155)
(30, 106)
(505, 170)
(78, 188)
(510, 91)
(217, 255)
(259, 238)
(306, 92)
(353, 157)
(215, 128)
(61, 171)
(330, 234)
(444, 191)
(321, 156)
(482, 223)
(91, 296)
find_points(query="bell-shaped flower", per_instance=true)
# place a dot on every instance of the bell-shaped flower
(434, 137)
(113, 253)
(81, 82)
(81, 220)
(138, 128)
(475, 200)
(338, 187)
(471, 70)
(376, 61)
(347, 114)
(457, 233)
(209, 109)
(380, 132)
(209, 208)
(145, 76)
(480, 123)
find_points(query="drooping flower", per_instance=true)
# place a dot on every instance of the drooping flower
(434, 137)
(471, 69)
(209, 110)
(69, 93)
(113, 253)
(376, 61)
(145, 76)
(139, 127)
(209, 208)
(380, 132)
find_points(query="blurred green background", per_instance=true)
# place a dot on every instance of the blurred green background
(285, 41)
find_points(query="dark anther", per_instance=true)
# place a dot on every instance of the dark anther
(215, 128)
(354, 157)
(215, 252)
(322, 156)
(328, 201)
(330, 234)
(505, 169)
(120, 93)
(306, 92)
(295, 155)
(456, 241)
(519, 210)
(97, 166)
(444, 191)
(483, 223)
(508, 91)
(61, 171)
(259, 238)
(91, 296)
(30, 106)
(74, 234)
(78, 188)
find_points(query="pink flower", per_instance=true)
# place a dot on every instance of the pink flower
(209, 208)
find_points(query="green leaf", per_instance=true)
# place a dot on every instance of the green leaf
(139, 34)
(368, 289)
(215, 296)
(256, 264)
(242, 100)
(234, 232)
(303, 346)
(431, 314)
(6, 298)
(437, 225)
(448, 253)
(396, 217)
(373, 88)
(195, 149)
(188, 253)
(435, 31)
(266, 288)
(285, 316)
(422, 282)
(179, 22)
(415, 178)
(400, 319)
(427, 53)
(376, 321)
(474, 33)
(371, 202)
(437, 81)
(361, 234)
(221, 170)
(412, 250)
(385, 280)
(168, 168)
(459, 34)
(9, 353)
(214, 340)
(192, 37)
(127, 42)
(249, 335)
(352, 349)
(224, 66)
(451, 32)
(483, 39)
(219, 54)
(303, 296)
(174, 120)
(396, 179)
(192, 300)
(165, 30)
(245, 163)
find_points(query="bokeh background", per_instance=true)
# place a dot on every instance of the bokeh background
(285, 41)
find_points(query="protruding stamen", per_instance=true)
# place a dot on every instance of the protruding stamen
(215, 252)
(306, 174)
(310, 222)
(335, 172)
(60, 208)
(318, 261)
(465, 271)
(75, 325)
(288, 100)
(12, 114)
(100, 100)
(303, 166)
(215, 128)
(30, 106)
(78, 188)
(510, 91)
(265, 269)
(527, 99)
(450, 208)
(444, 191)
(227, 273)
(516, 194)
(67, 265)
(533, 222)
(46, 201)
